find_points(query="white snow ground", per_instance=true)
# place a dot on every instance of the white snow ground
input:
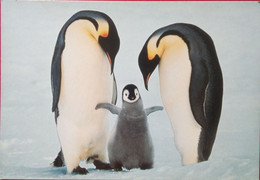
(29, 141)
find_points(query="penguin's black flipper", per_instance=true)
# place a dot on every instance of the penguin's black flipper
(56, 69)
(112, 108)
(114, 98)
(152, 109)
(198, 89)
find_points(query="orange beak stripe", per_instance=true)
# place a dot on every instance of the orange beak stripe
(147, 79)
(109, 59)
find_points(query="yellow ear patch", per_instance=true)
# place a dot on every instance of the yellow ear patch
(103, 29)
(150, 55)
(104, 34)
(152, 49)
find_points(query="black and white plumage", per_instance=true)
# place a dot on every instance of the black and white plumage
(130, 144)
(191, 85)
(82, 76)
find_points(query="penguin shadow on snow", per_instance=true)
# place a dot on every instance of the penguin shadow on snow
(130, 144)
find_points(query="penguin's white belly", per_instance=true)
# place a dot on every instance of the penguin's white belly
(86, 80)
(175, 73)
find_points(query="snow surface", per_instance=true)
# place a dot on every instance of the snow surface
(29, 141)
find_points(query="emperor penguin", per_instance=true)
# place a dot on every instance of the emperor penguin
(130, 144)
(81, 76)
(191, 85)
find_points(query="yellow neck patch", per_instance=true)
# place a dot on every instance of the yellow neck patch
(165, 42)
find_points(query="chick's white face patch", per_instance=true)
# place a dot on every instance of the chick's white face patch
(131, 97)
(137, 96)
(125, 95)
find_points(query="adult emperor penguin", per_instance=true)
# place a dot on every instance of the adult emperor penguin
(82, 76)
(191, 85)
(130, 145)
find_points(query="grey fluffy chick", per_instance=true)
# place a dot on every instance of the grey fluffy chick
(130, 144)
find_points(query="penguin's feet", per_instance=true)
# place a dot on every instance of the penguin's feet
(92, 158)
(146, 166)
(80, 170)
(59, 161)
(118, 168)
(101, 165)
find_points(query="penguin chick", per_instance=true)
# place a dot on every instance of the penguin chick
(130, 144)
